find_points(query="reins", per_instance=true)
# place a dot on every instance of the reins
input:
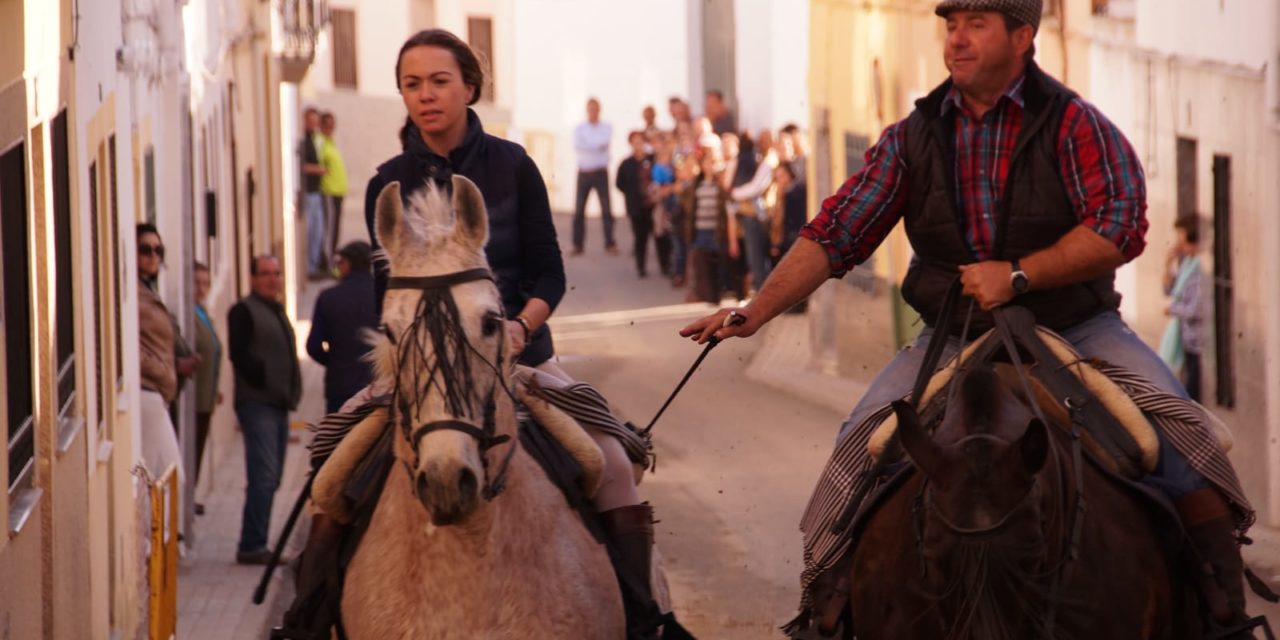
(733, 319)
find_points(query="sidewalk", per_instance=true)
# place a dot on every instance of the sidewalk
(214, 593)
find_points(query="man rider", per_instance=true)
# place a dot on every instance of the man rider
(1009, 180)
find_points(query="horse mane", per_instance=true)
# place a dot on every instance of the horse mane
(979, 389)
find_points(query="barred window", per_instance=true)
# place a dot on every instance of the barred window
(16, 324)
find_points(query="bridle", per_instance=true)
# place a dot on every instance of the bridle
(926, 503)
(437, 316)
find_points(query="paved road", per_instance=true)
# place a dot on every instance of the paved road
(736, 459)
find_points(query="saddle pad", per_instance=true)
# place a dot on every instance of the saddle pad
(1112, 397)
(327, 491)
(569, 434)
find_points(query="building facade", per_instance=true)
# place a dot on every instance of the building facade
(114, 113)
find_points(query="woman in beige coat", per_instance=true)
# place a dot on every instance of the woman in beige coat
(164, 357)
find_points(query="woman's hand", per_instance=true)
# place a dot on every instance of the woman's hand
(517, 338)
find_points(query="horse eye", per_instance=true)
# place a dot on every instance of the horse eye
(490, 325)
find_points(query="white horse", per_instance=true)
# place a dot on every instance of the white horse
(443, 556)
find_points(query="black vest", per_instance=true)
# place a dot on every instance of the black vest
(1033, 213)
(274, 345)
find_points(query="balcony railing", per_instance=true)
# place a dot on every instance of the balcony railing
(301, 22)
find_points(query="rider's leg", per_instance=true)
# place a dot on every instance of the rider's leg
(1204, 511)
(627, 521)
(896, 379)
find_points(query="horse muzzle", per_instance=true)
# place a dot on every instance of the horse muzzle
(448, 492)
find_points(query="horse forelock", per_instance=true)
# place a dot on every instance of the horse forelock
(430, 244)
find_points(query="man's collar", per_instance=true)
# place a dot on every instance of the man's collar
(953, 99)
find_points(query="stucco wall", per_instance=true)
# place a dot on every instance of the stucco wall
(20, 601)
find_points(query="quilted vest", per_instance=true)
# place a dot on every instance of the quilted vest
(1033, 213)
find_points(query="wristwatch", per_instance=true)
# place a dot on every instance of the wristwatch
(1018, 279)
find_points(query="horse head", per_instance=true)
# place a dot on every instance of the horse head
(982, 463)
(443, 344)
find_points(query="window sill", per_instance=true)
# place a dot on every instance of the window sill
(68, 428)
(21, 507)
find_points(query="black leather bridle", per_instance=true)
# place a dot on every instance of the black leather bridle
(485, 435)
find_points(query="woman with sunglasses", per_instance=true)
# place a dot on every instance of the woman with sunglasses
(165, 358)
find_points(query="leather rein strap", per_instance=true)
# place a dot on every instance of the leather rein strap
(486, 436)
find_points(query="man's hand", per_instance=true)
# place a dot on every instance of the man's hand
(187, 366)
(714, 325)
(988, 282)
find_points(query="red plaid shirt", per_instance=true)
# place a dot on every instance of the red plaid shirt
(1099, 168)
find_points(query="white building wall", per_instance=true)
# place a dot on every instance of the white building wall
(1241, 32)
(628, 54)
(772, 43)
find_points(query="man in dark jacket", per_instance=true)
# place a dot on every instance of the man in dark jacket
(633, 182)
(342, 315)
(268, 385)
(1008, 180)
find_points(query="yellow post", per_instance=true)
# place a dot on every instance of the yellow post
(163, 563)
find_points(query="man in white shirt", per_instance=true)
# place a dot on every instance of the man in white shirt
(591, 140)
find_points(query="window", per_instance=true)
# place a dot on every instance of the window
(150, 173)
(17, 316)
(344, 48)
(1188, 190)
(1223, 287)
(116, 252)
(480, 37)
(96, 243)
(64, 264)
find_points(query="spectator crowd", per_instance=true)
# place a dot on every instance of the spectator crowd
(720, 205)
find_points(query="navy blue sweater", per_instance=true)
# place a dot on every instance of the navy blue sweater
(343, 312)
(523, 250)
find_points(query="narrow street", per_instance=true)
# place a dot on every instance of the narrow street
(736, 458)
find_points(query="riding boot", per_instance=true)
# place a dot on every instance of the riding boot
(314, 612)
(630, 529)
(1210, 527)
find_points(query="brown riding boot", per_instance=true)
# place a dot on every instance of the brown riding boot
(631, 530)
(1209, 525)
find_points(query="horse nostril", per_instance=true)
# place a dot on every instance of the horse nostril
(467, 483)
(420, 486)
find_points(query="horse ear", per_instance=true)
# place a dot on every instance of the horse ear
(472, 224)
(389, 217)
(924, 452)
(1034, 445)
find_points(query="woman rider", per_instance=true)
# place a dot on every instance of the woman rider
(439, 77)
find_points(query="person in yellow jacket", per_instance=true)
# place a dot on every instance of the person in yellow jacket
(333, 184)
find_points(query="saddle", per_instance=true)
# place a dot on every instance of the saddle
(1142, 457)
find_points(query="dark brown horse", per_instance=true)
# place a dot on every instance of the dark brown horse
(977, 544)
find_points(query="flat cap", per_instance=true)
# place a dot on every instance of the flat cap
(1027, 11)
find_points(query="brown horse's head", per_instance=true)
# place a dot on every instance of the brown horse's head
(987, 451)
(981, 532)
